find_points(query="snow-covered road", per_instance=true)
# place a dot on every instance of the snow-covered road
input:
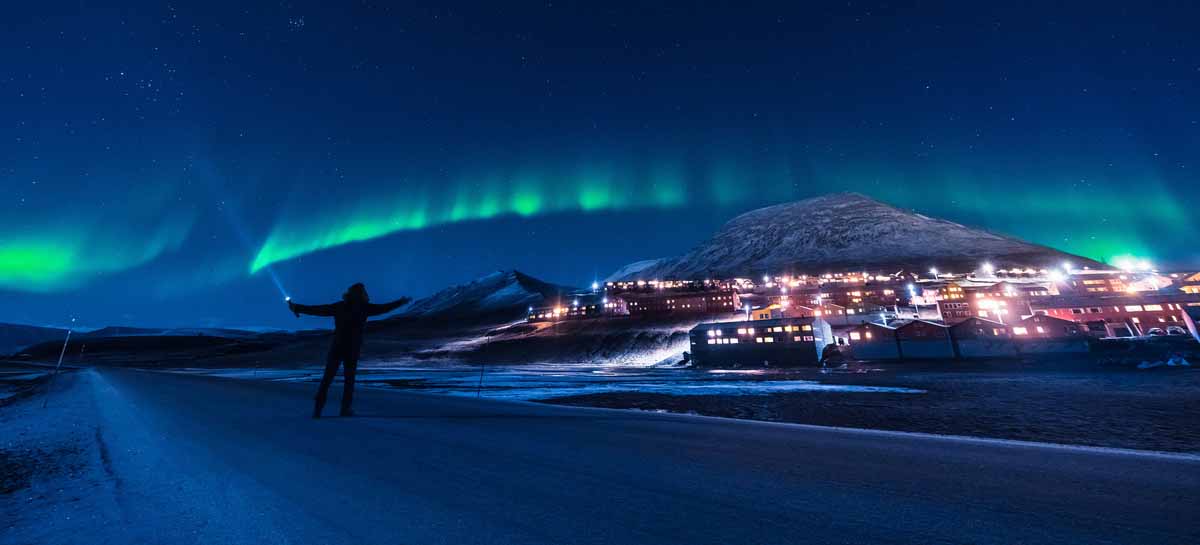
(161, 458)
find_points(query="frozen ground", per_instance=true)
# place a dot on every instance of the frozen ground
(547, 381)
(1071, 403)
(139, 457)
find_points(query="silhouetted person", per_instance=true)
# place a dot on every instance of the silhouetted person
(349, 318)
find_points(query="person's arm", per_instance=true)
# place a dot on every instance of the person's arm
(376, 310)
(312, 310)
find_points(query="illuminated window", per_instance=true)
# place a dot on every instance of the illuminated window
(868, 335)
(1133, 308)
(750, 331)
(712, 333)
(741, 331)
(854, 336)
(1153, 307)
(759, 339)
(796, 338)
(807, 328)
(712, 341)
(1020, 331)
(769, 339)
(1040, 330)
(732, 341)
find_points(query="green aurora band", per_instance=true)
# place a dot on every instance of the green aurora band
(1101, 223)
(57, 260)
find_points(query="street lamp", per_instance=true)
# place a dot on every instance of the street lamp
(934, 272)
(988, 269)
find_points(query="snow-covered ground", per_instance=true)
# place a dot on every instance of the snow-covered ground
(122, 456)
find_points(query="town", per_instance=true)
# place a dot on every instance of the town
(779, 320)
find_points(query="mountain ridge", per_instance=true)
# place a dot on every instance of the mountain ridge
(843, 231)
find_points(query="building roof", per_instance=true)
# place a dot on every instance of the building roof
(1138, 298)
(759, 323)
(911, 322)
(974, 319)
(1042, 318)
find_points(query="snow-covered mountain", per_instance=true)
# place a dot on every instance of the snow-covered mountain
(499, 294)
(843, 231)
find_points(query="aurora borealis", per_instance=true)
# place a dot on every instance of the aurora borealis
(156, 158)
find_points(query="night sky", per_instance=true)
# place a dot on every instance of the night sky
(161, 162)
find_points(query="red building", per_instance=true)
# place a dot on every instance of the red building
(1047, 327)
(919, 339)
(1137, 313)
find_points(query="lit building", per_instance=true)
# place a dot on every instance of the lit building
(1046, 327)
(781, 342)
(579, 307)
(1119, 315)
(872, 341)
(667, 303)
(978, 337)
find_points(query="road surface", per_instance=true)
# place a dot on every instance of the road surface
(186, 459)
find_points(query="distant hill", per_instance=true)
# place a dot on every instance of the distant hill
(126, 331)
(14, 337)
(841, 232)
(502, 294)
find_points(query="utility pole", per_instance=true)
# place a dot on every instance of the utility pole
(46, 398)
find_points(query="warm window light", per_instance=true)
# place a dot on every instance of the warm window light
(1020, 331)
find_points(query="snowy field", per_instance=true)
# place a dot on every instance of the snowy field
(547, 381)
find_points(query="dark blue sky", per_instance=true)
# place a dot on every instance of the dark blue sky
(161, 160)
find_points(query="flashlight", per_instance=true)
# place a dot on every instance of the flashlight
(288, 298)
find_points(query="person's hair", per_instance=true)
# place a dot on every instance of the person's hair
(356, 293)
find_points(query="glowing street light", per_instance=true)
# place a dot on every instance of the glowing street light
(1068, 267)
(934, 272)
(988, 268)
(1057, 276)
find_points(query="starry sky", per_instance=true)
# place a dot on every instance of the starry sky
(185, 164)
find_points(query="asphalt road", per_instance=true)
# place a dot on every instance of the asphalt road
(205, 460)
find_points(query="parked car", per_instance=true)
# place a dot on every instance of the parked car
(1176, 330)
(1155, 332)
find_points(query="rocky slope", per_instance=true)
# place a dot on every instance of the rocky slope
(840, 232)
(499, 294)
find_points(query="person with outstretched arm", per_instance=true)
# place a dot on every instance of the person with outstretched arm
(349, 319)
